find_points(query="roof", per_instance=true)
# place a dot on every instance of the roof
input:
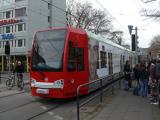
(101, 39)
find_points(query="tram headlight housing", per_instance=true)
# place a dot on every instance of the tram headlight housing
(33, 81)
(58, 83)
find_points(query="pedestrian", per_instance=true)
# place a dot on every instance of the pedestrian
(158, 69)
(19, 69)
(153, 82)
(136, 73)
(158, 79)
(143, 80)
(127, 71)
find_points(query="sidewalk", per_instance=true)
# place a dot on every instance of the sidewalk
(123, 105)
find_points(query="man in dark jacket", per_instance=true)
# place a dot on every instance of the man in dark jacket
(19, 69)
(127, 71)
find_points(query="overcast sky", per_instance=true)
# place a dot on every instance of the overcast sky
(127, 12)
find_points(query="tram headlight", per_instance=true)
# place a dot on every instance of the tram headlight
(33, 81)
(58, 83)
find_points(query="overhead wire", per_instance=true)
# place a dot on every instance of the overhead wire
(111, 15)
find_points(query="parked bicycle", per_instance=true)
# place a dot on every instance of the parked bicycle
(11, 81)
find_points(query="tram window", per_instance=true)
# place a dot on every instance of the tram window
(75, 58)
(103, 59)
(71, 59)
(80, 59)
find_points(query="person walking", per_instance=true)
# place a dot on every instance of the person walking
(136, 73)
(127, 71)
(153, 82)
(143, 80)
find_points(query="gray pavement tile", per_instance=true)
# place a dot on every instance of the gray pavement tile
(125, 106)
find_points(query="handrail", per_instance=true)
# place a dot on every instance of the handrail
(110, 82)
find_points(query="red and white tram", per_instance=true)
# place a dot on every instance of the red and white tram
(64, 58)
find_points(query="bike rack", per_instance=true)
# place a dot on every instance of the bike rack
(110, 82)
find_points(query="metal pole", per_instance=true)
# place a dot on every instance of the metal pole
(9, 63)
(112, 85)
(136, 47)
(101, 91)
(78, 118)
(119, 80)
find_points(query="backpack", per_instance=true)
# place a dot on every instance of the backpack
(158, 70)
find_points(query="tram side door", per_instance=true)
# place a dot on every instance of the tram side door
(77, 64)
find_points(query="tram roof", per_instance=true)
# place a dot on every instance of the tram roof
(104, 40)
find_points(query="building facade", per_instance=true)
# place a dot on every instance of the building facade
(19, 19)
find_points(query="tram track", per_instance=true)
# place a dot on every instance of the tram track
(45, 111)
(5, 96)
(25, 90)
(19, 106)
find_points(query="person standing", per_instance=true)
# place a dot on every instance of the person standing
(153, 82)
(127, 71)
(136, 73)
(143, 80)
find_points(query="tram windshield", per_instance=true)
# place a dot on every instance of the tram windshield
(48, 48)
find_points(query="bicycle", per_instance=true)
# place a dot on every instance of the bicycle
(20, 82)
(10, 82)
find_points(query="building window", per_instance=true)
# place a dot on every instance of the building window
(1, 30)
(49, 6)
(8, 14)
(20, 27)
(20, 12)
(20, 41)
(49, 18)
(8, 29)
(1, 15)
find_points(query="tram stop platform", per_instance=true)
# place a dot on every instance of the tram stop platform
(123, 105)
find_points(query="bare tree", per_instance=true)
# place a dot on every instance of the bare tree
(150, 13)
(83, 15)
(155, 45)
